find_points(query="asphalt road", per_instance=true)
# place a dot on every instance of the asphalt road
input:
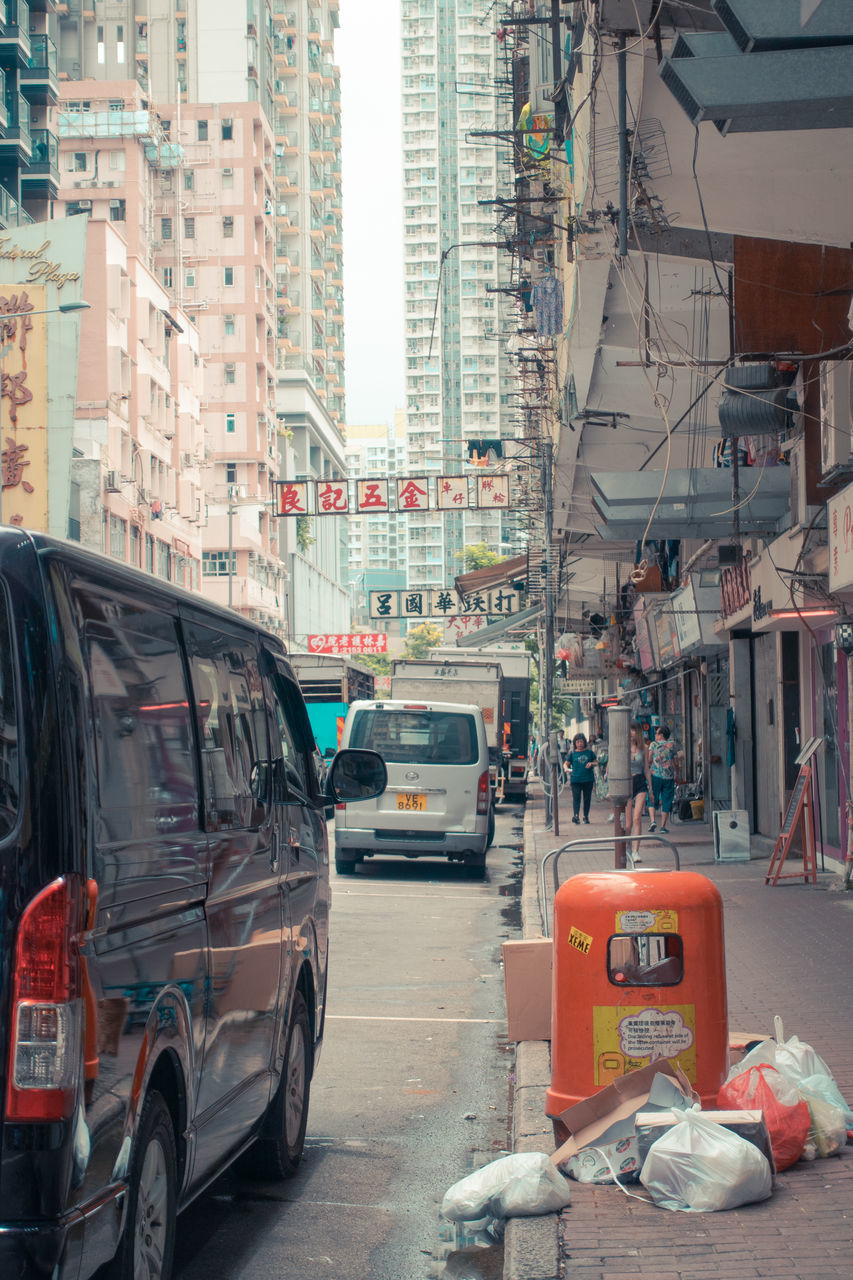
(411, 1093)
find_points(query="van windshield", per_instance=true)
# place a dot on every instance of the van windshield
(417, 737)
(9, 768)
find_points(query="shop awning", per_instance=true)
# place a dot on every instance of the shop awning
(695, 503)
(491, 576)
(523, 621)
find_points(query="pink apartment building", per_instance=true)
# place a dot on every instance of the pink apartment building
(176, 396)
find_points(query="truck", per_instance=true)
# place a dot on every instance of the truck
(515, 666)
(329, 684)
(468, 681)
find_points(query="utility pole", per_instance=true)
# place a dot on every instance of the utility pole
(232, 507)
(547, 665)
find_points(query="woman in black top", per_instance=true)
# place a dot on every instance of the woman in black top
(580, 766)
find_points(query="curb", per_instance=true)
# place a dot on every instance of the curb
(531, 1245)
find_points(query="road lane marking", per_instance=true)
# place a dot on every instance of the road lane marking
(375, 1017)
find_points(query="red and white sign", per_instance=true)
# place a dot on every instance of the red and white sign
(492, 491)
(371, 495)
(458, 626)
(452, 492)
(840, 512)
(361, 642)
(332, 497)
(292, 498)
(413, 493)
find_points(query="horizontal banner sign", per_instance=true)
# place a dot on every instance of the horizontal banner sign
(443, 604)
(397, 496)
(361, 642)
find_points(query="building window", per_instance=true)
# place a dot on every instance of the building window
(189, 280)
(228, 228)
(166, 126)
(119, 43)
(102, 51)
(80, 161)
(189, 228)
(118, 534)
(118, 211)
(231, 473)
(230, 423)
(229, 326)
(218, 564)
(227, 130)
(202, 131)
(227, 178)
(189, 180)
(165, 228)
(117, 160)
(167, 277)
(228, 275)
(231, 374)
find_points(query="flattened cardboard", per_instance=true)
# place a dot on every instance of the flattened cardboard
(527, 980)
(740, 1042)
(609, 1114)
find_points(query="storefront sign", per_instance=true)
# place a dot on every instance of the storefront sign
(362, 642)
(735, 589)
(23, 415)
(840, 516)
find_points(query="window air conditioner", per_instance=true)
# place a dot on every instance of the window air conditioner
(836, 417)
(111, 482)
(229, 172)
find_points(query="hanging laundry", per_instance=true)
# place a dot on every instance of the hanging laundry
(548, 306)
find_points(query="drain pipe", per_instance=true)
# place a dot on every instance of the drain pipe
(622, 101)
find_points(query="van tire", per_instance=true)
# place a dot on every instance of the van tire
(152, 1199)
(278, 1157)
(476, 870)
(345, 866)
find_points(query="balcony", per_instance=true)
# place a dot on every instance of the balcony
(12, 214)
(17, 141)
(40, 179)
(15, 32)
(39, 79)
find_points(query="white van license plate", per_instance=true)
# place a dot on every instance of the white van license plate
(411, 800)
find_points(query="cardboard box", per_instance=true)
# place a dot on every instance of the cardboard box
(527, 978)
(651, 1125)
(605, 1122)
(740, 1043)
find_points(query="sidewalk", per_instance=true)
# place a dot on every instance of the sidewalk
(788, 952)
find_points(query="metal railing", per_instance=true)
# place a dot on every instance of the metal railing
(597, 842)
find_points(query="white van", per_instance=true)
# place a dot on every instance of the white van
(438, 801)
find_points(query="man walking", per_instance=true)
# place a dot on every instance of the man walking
(663, 755)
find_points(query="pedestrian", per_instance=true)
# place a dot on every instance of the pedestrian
(640, 781)
(580, 766)
(663, 757)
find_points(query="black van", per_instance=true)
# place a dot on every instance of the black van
(164, 904)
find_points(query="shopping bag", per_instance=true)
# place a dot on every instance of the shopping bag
(763, 1087)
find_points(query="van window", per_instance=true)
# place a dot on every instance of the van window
(417, 737)
(9, 769)
(288, 749)
(143, 731)
(232, 725)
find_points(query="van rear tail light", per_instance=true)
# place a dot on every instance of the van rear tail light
(47, 1015)
(483, 794)
(340, 806)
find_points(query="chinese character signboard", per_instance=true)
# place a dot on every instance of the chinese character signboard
(458, 626)
(452, 492)
(332, 498)
(23, 417)
(384, 604)
(362, 642)
(840, 514)
(291, 498)
(493, 491)
(413, 493)
(371, 495)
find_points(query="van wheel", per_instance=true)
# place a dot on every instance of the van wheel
(476, 870)
(146, 1247)
(279, 1156)
(346, 866)
(491, 832)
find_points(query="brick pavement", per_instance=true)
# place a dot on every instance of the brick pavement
(788, 949)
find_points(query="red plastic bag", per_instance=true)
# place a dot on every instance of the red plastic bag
(764, 1088)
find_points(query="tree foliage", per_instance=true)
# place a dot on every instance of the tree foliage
(421, 639)
(478, 555)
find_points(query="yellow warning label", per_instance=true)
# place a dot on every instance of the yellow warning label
(647, 921)
(580, 941)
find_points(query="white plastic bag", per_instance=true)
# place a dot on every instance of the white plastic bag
(825, 1087)
(516, 1186)
(795, 1059)
(701, 1167)
(828, 1128)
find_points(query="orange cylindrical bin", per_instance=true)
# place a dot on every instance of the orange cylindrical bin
(639, 974)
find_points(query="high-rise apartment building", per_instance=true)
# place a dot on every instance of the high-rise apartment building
(29, 176)
(247, 107)
(377, 452)
(456, 379)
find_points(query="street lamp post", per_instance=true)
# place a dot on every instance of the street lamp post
(64, 308)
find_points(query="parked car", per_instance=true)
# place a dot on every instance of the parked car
(164, 905)
(438, 802)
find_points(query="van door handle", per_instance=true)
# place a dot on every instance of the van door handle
(294, 848)
(273, 851)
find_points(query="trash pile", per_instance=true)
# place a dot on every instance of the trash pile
(779, 1104)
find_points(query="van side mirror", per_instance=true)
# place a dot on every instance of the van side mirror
(356, 774)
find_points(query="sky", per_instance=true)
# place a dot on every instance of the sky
(367, 50)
